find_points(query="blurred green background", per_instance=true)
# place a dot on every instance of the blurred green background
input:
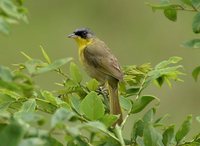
(135, 34)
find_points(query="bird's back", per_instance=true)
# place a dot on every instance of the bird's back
(97, 56)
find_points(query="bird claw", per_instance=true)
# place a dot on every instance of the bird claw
(102, 90)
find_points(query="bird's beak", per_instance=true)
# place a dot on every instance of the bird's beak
(72, 35)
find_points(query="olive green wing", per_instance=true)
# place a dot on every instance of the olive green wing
(99, 56)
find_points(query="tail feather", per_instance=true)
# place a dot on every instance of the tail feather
(115, 108)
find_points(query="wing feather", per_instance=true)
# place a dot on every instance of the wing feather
(99, 56)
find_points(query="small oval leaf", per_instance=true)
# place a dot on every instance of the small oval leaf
(196, 23)
(196, 72)
(75, 73)
(92, 106)
(168, 136)
(171, 14)
(194, 43)
(184, 129)
(141, 103)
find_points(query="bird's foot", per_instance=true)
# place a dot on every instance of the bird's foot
(102, 90)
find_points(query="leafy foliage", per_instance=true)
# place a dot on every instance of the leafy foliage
(79, 111)
(170, 10)
(11, 12)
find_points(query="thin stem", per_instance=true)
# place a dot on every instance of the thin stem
(141, 87)
(125, 119)
(84, 88)
(118, 132)
(137, 96)
(186, 9)
(59, 71)
(195, 8)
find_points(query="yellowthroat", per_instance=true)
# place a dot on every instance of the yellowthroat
(100, 64)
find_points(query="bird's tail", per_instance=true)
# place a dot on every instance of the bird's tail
(115, 108)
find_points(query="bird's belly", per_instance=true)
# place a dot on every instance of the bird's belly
(95, 73)
(91, 70)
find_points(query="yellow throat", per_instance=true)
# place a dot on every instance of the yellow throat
(82, 43)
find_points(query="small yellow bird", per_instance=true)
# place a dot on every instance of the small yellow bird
(100, 64)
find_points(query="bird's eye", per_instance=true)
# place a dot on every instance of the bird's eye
(84, 33)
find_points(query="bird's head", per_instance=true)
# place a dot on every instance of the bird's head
(82, 36)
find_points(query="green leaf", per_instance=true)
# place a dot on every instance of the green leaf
(40, 141)
(60, 117)
(12, 94)
(194, 43)
(4, 115)
(187, 2)
(191, 144)
(108, 119)
(6, 74)
(21, 2)
(55, 65)
(196, 3)
(140, 141)
(12, 134)
(96, 125)
(33, 65)
(164, 1)
(75, 103)
(45, 105)
(4, 27)
(166, 63)
(132, 91)
(92, 85)
(30, 117)
(164, 5)
(198, 118)
(75, 73)
(168, 136)
(10, 8)
(140, 103)
(78, 141)
(137, 130)
(158, 6)
(48, 96)
(92, 106)
(50, 141)
(151, 136)
(165, 71)
(33, 141)
(184, 129)
(11, 20)
(29, 106)
(45, 55)
(107, 141)
(196, 72)
(125, 103)
(100, 128)
(157, 121)
(196, 23)
(148, 116)
(4, 106)
(171, 14)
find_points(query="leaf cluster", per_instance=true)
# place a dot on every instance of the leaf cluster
(11, 12)
(170, 10)
(79, 111)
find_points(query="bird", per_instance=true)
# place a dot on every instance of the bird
(100, 64)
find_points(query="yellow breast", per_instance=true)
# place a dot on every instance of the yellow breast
(82, 44)
(81, 55)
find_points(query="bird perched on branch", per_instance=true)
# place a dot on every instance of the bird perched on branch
(100, 64)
